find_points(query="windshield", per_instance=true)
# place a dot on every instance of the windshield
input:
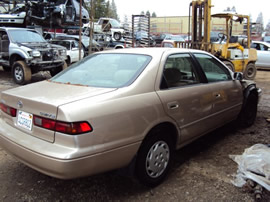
(66, 44)
(115, 23)
(25, 36)
(104, 70)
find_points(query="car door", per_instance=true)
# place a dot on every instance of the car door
(75, 51)
(184, 97)
(226, 92)
(263, 56)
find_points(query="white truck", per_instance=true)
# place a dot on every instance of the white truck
(107, 26)
(25, 52)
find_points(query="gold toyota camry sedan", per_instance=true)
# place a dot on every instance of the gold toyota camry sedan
(124, 107)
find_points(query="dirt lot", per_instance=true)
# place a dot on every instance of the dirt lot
(202, 171)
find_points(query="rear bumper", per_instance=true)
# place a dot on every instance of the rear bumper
(66, 167)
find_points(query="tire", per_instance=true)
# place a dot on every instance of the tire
(229, 65)
(152, 171)
(117, 36)
(250, 71)
(68, 61)
(21, 73)
(248, 113)
(56, 70)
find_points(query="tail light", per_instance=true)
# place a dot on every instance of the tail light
(8, 110)
(73, 128)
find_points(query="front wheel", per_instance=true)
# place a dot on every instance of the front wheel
(250, 71)
(56, 70)
(21, 73)
(248, 113)
(154, 158)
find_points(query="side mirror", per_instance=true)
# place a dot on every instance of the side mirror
(238, 76)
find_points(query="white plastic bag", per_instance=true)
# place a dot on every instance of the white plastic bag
(253, 164)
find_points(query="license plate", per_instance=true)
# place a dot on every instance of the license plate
(25, 120)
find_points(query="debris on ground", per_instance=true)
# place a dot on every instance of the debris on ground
(253, 172)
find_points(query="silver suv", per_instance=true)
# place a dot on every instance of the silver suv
(25, 51)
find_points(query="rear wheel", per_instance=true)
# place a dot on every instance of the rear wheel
(154, 158)
(117, 36)
(248, 113)
(250, 71)
(21, 73)
(56, 70)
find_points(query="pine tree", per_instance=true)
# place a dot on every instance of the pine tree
(100, 9)
(259, 23)
(114, 10)
(154, 15)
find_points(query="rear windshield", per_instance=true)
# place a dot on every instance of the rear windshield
(104, 70)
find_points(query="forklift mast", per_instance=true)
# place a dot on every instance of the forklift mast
(201, 18)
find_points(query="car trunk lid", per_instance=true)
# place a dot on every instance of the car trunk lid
(43, 99)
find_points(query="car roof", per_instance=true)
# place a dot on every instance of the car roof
(16, 28)
(59, 39)
(261, 42)
(157, 51)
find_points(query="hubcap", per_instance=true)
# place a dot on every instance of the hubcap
(157, 159)
(18, 73)
(250, 72)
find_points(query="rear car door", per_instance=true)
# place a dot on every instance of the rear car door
(185, 98)
(227, 93)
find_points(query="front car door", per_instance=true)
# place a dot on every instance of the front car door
(263, 55)
(185, 97)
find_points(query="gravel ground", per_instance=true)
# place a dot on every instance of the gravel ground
(202, 171)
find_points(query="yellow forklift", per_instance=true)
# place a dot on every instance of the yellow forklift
(233, 50)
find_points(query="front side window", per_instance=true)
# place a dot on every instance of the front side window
(179, 71)
(105, 70)
(213, 69)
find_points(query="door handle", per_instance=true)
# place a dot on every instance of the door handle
(173, 105)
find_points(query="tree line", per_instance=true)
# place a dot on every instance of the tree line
(102, 8)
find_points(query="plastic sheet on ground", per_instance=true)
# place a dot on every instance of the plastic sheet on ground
(253, 164)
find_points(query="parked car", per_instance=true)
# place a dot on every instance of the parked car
(49, 13)
(266, 39)
(160, 38)
(176, 38)
(72, 47)
(15, 17)
(25, 52)
(120, 108)
(108, 26)
(263, 54)
(85, 42)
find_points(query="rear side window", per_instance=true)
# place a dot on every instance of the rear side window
(213, 69)
(105, 70)
(179, 71)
